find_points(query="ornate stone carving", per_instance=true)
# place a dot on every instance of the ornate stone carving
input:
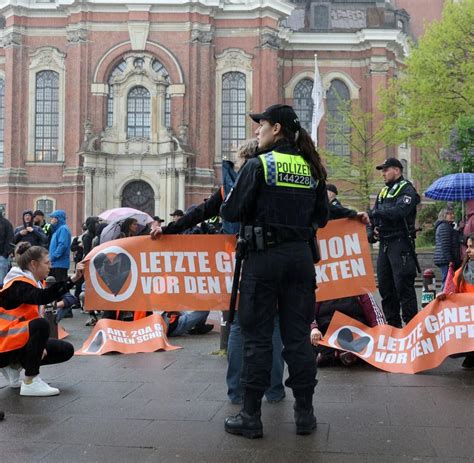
(270, 39)
(234, 58)
(77, 36)
(47, 57)
(137, 146)
(378, 68)
(348, 19)
(200, 36)
(13, 39)
(183, 132)
(91, 143)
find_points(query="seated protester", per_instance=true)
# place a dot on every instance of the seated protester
(25, 343)
(362, 308)
(180, 323)
(463, 282)
(65, 305)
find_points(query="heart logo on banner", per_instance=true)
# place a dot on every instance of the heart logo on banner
(345, 339)
(114, 272)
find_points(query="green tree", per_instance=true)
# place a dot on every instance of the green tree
(364, 141)
(435, 89)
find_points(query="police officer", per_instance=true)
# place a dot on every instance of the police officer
(393, 224)
(280, 199)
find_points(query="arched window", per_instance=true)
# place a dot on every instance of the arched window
(2, 120)
(162, 72)
(138, 113)
(338, 131)
(110, 97)
(47, 116)
(139, 195)
(303, 103)
(233, 131)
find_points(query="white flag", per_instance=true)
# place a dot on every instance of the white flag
(318, 103)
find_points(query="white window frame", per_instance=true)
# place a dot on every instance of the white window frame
(46, 59)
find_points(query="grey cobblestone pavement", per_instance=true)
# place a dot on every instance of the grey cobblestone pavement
(170, 407)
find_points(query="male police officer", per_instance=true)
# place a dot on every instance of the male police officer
(393, 224)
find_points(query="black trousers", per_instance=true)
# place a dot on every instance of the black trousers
(279, 279)
(396, 272)
(29, 356)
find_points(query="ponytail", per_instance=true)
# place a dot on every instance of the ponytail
(307, 150)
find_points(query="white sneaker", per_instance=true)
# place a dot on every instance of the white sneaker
(12, 375)
(38, 388)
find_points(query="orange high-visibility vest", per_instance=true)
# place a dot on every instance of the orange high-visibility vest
(465, 286)
(14, 332)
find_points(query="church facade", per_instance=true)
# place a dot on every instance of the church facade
(106, 104)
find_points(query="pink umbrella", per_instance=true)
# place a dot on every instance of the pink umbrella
(122, 213)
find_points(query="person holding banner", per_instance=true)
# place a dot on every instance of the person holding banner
(280, 199)
(463, 282)
(26, 343)
(393, 225)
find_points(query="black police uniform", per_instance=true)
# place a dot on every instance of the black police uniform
(279, 276)
(393, 213)
(338, 211)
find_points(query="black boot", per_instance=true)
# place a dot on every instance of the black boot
(247, 423)
(304, 413)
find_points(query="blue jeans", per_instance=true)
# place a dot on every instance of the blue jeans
(235, 355)
(444, 273)
(188, 320)
(4, 267)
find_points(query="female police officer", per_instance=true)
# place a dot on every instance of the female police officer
(280, 199)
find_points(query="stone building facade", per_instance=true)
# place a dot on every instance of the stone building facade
(109, 103)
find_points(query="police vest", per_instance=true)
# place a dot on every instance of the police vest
(287, 170)
(391, 193)
(14, 332)
(287, 200)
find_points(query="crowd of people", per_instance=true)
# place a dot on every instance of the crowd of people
(278, 319)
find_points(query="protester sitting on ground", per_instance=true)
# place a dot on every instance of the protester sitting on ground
(447, 249)
(463, 282)
(29, 232)
(64, 306)
(362, 308)
(180, 323)
(26, 343)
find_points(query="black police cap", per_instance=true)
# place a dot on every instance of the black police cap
(390, 162)
(281, 114)
(333, 188)
(177, 212)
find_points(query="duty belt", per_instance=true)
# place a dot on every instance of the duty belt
(261, 238)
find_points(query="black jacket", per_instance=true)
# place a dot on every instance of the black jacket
(290, 216)
(447, 244)
(338, 211)
(6, 237)
(391, 213)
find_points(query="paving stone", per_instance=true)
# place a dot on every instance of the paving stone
(24, 452)
(96, 454)
(168, 455)
(454, 441)
(381, 440)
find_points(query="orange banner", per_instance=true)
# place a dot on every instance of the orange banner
(195, 272)
(441, 329)
(144, 335)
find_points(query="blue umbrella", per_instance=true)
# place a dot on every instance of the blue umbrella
(453, 187)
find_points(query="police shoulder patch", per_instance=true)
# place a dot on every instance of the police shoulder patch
(407, 199)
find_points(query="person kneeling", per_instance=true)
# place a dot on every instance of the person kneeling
(26, 343)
